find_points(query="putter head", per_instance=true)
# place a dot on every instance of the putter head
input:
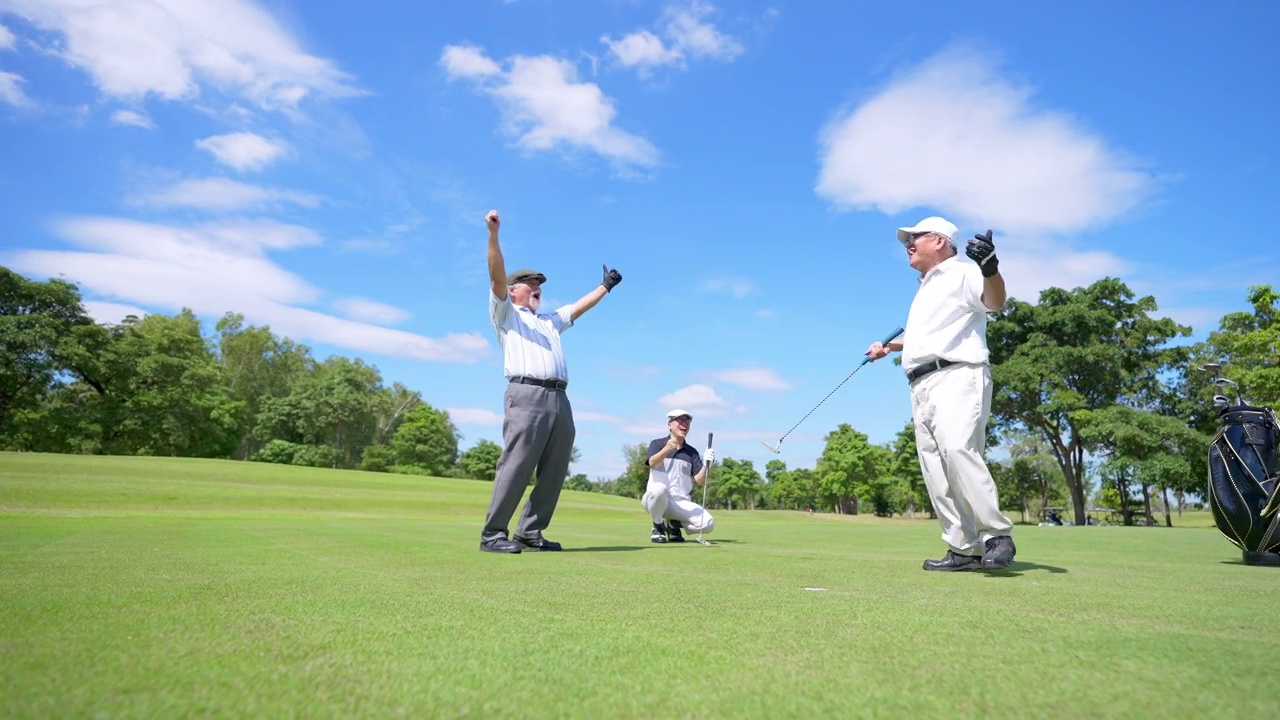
(703, 542)
(775, 449)
(1211, 367)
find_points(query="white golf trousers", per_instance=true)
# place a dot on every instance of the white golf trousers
(662, 505)
(950, 408)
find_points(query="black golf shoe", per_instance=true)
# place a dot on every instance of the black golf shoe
(659, 534)
(500, 545)
(673, 531)
(954, 562)
(539, 544)
(999, 553)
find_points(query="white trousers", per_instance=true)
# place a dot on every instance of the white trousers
(950, 408)
(662, 505)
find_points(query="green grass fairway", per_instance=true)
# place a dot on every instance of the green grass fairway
(159, 588)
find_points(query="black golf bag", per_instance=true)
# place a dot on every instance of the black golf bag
(1244, 472)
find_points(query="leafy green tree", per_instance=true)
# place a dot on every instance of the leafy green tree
(480, 462)
(427, 439)
(849, 464)
(1083, 349)
(256, 366)
(41, 328)
(377, 458)
(904, 466)
(579, 482)
(334, 403)
(737, 483)
(634, 479)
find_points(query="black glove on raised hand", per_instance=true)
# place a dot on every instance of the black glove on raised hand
(983, 252)
(611, 278)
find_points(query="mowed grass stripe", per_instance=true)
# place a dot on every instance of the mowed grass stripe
(141, 587)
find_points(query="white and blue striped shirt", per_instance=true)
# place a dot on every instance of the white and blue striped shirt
(530, 343)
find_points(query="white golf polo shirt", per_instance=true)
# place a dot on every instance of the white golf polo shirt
(530, 342)
(947, 320)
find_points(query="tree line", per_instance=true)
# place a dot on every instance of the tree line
(1095, 403)
(1096, 400)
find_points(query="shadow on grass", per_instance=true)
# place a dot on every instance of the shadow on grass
(609, 548)
(1018, 568)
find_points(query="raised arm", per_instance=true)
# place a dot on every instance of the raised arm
(497, 266)
(588, 301)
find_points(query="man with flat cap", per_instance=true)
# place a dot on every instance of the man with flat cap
(537, 425)
(944, 354)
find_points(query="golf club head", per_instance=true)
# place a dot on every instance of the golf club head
(1211, 367)
(703, 542)
(1223, 382)
(775, 449)
(1221, 400)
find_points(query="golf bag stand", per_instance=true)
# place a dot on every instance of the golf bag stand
(1244, 472)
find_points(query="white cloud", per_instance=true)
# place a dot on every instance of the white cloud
(642, 49)
(753, 378)
(175, 48)
(1030, 265)
(11, 89)
(545, 107)
(467, 61)
(110, 313)
(697, 38)
(687, 35)
(474, 416)
(132, 118)
(214, 269)
(954, 136)
(242, 150)
(217, 193)
(371, 246)
(370, 311)
(698, 399)
(732, 286)
(7, 39)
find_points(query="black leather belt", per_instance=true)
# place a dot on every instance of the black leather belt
(552, 384)
(916, 373)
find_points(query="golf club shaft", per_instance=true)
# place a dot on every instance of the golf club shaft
(888, 338)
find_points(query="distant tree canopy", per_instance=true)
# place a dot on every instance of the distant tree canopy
(1093, 395)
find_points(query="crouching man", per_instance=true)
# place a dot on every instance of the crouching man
(674, 467)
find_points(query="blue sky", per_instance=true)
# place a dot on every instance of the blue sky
(326, 171)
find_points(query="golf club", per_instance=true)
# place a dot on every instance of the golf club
(777, 447)
(1221, 400)
(705, 481)
(1224, 383)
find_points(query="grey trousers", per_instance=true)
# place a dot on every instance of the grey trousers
(537, 432)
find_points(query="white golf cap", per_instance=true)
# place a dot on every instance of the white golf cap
(929, 225)
(673, 414)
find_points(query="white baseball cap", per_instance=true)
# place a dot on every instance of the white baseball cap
(673, 414)
(929, 225)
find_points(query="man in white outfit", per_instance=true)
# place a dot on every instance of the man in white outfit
(944, 354)
(674, 467)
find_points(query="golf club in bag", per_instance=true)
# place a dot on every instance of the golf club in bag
(705, 482)
(777, 447)
(1244, 472)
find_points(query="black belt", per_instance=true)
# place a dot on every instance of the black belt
(553, 384)
(916, 373)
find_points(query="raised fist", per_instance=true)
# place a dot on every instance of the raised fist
(492, 220)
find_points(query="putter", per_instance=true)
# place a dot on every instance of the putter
(707, 479)
(777, 447)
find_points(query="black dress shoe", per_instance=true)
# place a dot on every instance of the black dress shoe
(673, 531)
(954, 561)
(500, 545)
(999, 553)
(538, 543)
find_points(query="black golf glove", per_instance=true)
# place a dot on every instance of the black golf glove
(983, 252)
(611, 278)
